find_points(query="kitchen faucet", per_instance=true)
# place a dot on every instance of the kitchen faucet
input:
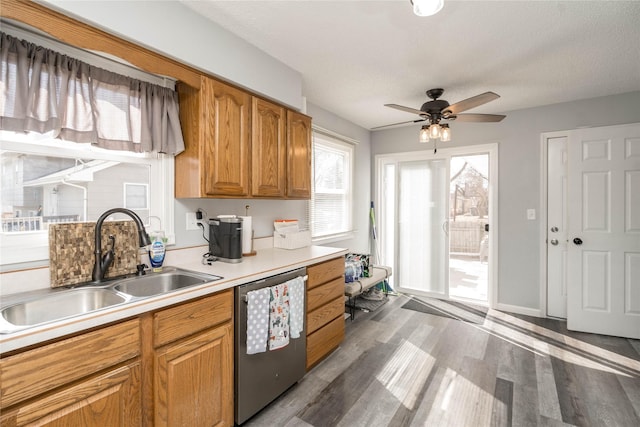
(102, 263)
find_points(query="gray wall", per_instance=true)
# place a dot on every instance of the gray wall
(519, 181)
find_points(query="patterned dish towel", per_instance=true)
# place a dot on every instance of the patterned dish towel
(296, 303)
(258, 320)
(279, 316)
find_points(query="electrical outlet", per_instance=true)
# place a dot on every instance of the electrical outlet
(192, 223)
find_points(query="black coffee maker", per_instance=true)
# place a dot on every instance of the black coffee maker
(225, 239)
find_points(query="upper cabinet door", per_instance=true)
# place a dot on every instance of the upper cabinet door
(298, 155)
(227, 139)
(268, 149)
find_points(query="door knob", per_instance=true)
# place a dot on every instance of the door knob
(577, 241)
(554, 242)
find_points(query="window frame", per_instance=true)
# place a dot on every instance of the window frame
(346, 145)
(29, 247)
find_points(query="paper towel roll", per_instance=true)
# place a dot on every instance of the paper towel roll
(247, 234)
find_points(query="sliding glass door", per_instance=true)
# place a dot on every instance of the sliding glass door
(433, 221)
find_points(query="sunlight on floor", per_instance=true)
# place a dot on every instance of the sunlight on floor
(406, 372)
(449, 406)
(538, 346)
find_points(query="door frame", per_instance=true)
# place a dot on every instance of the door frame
(544, 182)
(492, 150)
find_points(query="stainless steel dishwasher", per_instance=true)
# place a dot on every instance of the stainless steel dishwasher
(262, 377)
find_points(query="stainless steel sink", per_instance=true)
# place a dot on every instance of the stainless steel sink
(160, 283)
(60, 305)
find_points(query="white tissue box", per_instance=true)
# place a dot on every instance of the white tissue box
(292, 240)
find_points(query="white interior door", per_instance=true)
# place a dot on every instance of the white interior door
(557, 227)
(604, 230)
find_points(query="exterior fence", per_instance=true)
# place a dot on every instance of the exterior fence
(34, 223)
(465, 236)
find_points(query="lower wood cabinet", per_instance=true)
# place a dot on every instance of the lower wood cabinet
(108, 399)
(173, 367)
(193, 376)
(89, 380)
(194, 382)
(325, 309)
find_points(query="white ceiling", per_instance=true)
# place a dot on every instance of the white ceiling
(355, 56)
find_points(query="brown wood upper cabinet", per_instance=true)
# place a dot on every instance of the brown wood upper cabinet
(268, 149)
(216, 127)
(298, 155)
(241, 146)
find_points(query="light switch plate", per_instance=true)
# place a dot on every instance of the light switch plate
(531, 214)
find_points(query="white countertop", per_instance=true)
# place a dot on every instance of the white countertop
(267, 262)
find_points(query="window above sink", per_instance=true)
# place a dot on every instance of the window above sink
(45, 183)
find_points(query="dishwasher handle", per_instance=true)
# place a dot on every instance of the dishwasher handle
(246, 299)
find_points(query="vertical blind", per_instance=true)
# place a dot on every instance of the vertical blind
(43, 91)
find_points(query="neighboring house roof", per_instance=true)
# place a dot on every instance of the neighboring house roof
(82, 172)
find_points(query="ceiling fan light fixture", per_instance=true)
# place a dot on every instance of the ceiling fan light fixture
(427, 7)
(445, 134)
(424, 134)
(434, 131)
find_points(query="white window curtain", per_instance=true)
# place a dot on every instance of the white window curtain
(44, 91)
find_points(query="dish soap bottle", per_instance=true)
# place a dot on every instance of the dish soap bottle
(157, 251)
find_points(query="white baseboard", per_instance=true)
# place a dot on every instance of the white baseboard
(518, 309)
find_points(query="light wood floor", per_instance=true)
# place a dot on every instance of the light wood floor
(402, 367)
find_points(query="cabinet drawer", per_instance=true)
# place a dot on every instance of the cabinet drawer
(325, 314)
(186, 319)
(325, 293)
(324, 340)
(33, 372)
(323, 272)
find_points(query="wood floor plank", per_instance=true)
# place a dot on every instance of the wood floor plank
(569, 399)
(547, 392)
(374, 407)
(631, 387)
(502, 410)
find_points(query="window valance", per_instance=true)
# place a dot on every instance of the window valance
(43, 91)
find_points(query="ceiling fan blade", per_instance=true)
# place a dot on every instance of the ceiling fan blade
(474, 101)
(407, 109)
(396, 124)
(479, 118)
